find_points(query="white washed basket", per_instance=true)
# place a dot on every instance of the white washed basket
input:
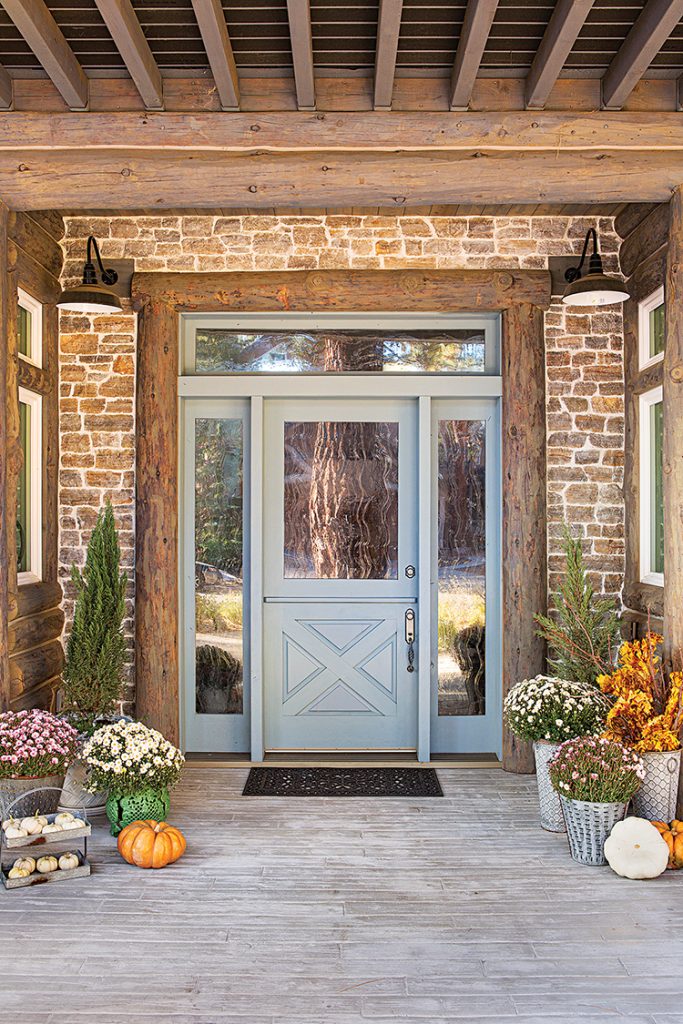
(656, 799)
(552, 819)
(588, 826)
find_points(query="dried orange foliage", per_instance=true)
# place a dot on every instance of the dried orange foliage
(648, 712)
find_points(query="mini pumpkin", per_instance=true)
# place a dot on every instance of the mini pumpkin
(50, 828)
(672, 834)
(68, 861)
(46, 865)
(63, 818)
(151, 844)
(15, 832)
(28, 863)
(634, 849)
(32, 826)
(18, 873)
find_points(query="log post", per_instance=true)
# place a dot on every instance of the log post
(156, 554)
(672, 394)
(4, 522)
(524, 508)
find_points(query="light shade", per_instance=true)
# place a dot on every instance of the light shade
(89, 298)
(595, 290)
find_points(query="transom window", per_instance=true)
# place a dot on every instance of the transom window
(651, 329)
(340, 343)
(651, 488)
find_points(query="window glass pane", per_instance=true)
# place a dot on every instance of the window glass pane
(656, 322)
(656, 485)
(24, 492)
(341, 501)
(340, 351)
(218, 566)
(24, 323)
(461, 567)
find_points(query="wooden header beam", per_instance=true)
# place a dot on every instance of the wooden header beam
(473, 38)
(563, 29)
(299, 13)
(214, 32)
(125, 30)
(43, 35)
(388, 30)
(652, 29)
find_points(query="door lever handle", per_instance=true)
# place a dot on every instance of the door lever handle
(410, 637)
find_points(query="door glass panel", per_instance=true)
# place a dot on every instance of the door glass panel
(460, 350)
(219, 566)
(24, 491)
(341, 501)
(461, 566)
(656, 487)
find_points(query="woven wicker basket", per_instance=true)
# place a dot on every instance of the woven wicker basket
(552, 819)
(656, 798)
(588, 826)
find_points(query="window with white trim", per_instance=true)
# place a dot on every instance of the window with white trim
(29, 488)
(651, 329)
(29, 328)
(651, 484)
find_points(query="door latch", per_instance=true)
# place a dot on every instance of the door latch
(410, 637)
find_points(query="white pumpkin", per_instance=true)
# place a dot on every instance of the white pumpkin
(16, 832)
(46, 865)
(635, 849)
(9, 821)
(68, 861)
(32, 825)
(74, 823)
(52, 828)
(25, 862)
(63, 818)
(18, 873)
(42, 819)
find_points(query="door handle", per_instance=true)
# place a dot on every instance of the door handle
(410, 637)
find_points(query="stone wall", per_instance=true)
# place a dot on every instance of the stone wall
(584, 351)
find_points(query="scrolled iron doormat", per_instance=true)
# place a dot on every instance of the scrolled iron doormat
(387, 782)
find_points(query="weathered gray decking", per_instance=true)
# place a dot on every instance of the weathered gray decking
(336, 911)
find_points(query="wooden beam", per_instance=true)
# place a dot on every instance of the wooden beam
(652, 29)
(43, 35)
(126, 31)
(525, 580)
(566, 22)
(479, 17)
(214, 32)
(388, 30)
(6, 92)
(299, 14)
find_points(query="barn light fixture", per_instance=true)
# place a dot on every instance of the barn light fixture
(91, 297)
(595, 288)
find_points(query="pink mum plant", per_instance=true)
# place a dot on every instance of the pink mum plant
(34, 744)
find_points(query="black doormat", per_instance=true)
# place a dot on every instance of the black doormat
(342, 782)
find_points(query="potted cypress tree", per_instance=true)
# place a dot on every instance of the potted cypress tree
(92, 681)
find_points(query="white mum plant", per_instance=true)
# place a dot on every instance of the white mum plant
(128, 756)
(547, 708)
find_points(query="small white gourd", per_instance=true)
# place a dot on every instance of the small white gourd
(46, 865)
(28, 863)
(16, 832)
(52, 828)
(18, 873)
(63, 818)
(635, 849)
(42, 819)
(74, 823)
(9, 821)
(68, 861)
(32, 825)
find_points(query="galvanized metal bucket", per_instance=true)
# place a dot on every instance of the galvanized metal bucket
(552, 819)
(657, 796)
(588, 826)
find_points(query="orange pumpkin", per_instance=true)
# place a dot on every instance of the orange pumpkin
(151, 844)
(672, 834)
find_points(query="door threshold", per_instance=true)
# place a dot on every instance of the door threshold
(358, 759)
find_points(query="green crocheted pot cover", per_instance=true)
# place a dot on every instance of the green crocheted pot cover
(148, 803)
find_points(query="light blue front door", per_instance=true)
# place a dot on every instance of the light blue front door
(340, 579)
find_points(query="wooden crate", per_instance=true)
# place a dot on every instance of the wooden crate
(37, 878)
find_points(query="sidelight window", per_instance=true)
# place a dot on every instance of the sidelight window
(651, 487)
(29, 488)
(651, 329)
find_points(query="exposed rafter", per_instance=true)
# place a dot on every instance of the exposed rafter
(43, 35)
(126, 31)
(5, 89)
(299, 13)
(563, 29)
(388, 29)
(475, 32)
(652, 29)
(214, 32)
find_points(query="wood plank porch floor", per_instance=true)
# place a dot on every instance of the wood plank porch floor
(332, 911)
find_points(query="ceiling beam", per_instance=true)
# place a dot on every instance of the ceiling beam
(388, 30)
(214, 32)
(5, 89)
(299, 14)
(126, 31)
(655, 24)
(567, 20)
(43, 35)
(479, 17)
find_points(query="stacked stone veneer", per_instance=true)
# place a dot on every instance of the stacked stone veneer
(585, 402)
